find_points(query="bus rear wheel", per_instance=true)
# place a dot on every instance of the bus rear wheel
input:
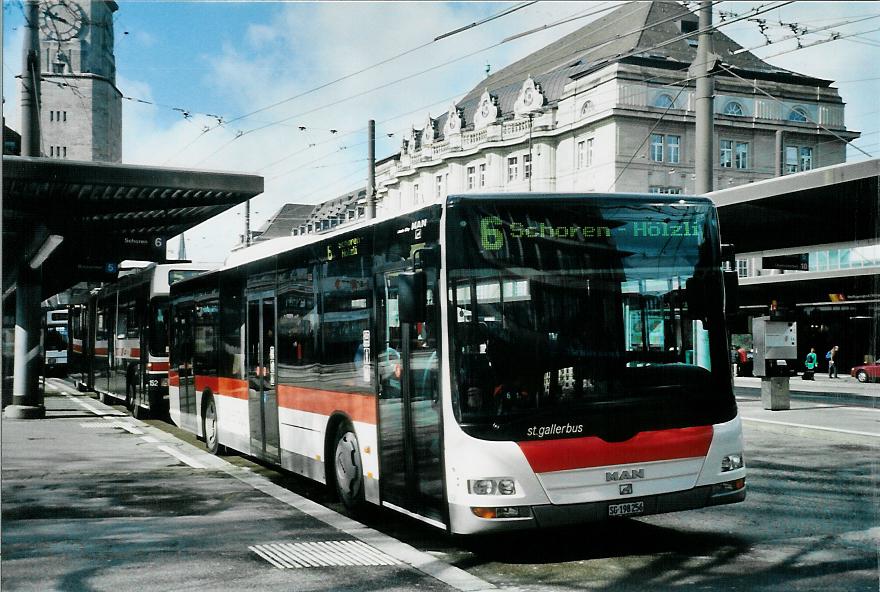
(209, 426)
(348, 468)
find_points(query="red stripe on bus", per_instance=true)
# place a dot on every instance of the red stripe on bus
(359, 407)
(228, 387)
(173, 378)
(77, 348)
(158, 366)
(546, 456)
(100, 351)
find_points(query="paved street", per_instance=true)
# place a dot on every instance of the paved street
(94, 500)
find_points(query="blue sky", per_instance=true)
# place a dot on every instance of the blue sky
(232, 58)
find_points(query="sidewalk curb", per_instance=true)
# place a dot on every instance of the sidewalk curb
(830, 435)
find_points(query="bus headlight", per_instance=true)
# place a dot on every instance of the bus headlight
(502, 486)
(731, 462)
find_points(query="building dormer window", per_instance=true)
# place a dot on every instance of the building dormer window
(664, 101)
(798, 114)
(587, 108)
(733, 108)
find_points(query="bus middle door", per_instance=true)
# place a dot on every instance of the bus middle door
(262, 388)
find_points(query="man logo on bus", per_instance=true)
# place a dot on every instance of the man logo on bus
(625, 475)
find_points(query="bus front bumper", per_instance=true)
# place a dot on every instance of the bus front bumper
(464, 520)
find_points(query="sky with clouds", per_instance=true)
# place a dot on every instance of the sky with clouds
(267, 71)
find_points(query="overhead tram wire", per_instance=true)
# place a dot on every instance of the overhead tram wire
(748, 15)
(821, 41)
(753, 12)
(689, 78)
(799, 35)
(414, 75)
(471, 54)
(503, 13)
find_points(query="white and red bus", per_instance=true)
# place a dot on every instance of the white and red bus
(55, 342)
(120, 337)
(492, 362)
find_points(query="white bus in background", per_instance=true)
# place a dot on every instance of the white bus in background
(490, 363)
(120, 337)
(55, 342)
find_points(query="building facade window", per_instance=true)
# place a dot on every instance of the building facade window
(417, 198)
(664, 101)
(664, 190)
(438, 190)
(471, 177)
(742, 268)
(798, 158)
(742, 155)
(512, 168)
(482, 175)
(798, 114)
(733, 154)
(806, 158)
(589, 152)
(733, 108)
(527, 166)
(672, 146)
(581, 154)
(657, 147)
(673, 149)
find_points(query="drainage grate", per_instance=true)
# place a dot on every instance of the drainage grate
(323, 554)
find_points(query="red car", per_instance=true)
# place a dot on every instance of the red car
(867, 372)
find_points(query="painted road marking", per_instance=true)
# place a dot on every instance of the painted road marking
(182, 457)
(812, 427)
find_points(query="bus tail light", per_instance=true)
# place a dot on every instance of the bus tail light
(503, 512)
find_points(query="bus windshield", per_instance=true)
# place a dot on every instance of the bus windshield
(569, 317)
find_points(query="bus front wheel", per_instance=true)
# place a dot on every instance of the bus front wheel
(348, 468)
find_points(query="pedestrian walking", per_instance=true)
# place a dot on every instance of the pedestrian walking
(810, 364)
(832, 358)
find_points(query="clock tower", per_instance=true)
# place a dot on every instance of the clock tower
(80, 106)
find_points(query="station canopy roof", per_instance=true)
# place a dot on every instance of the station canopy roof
(105, 213)
(829, 205)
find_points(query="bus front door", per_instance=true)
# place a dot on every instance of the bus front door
(411, 470)
(262, 394)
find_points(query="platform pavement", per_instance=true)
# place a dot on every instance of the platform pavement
(95, 500)
(844, 384)
(822, 415)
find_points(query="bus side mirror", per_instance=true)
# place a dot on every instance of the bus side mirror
(705, 296)
(411, 288)
(428, 257)
(731, 292)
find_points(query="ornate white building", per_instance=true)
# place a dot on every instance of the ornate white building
(593, 112)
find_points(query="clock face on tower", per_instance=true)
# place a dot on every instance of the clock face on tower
(61, 20)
